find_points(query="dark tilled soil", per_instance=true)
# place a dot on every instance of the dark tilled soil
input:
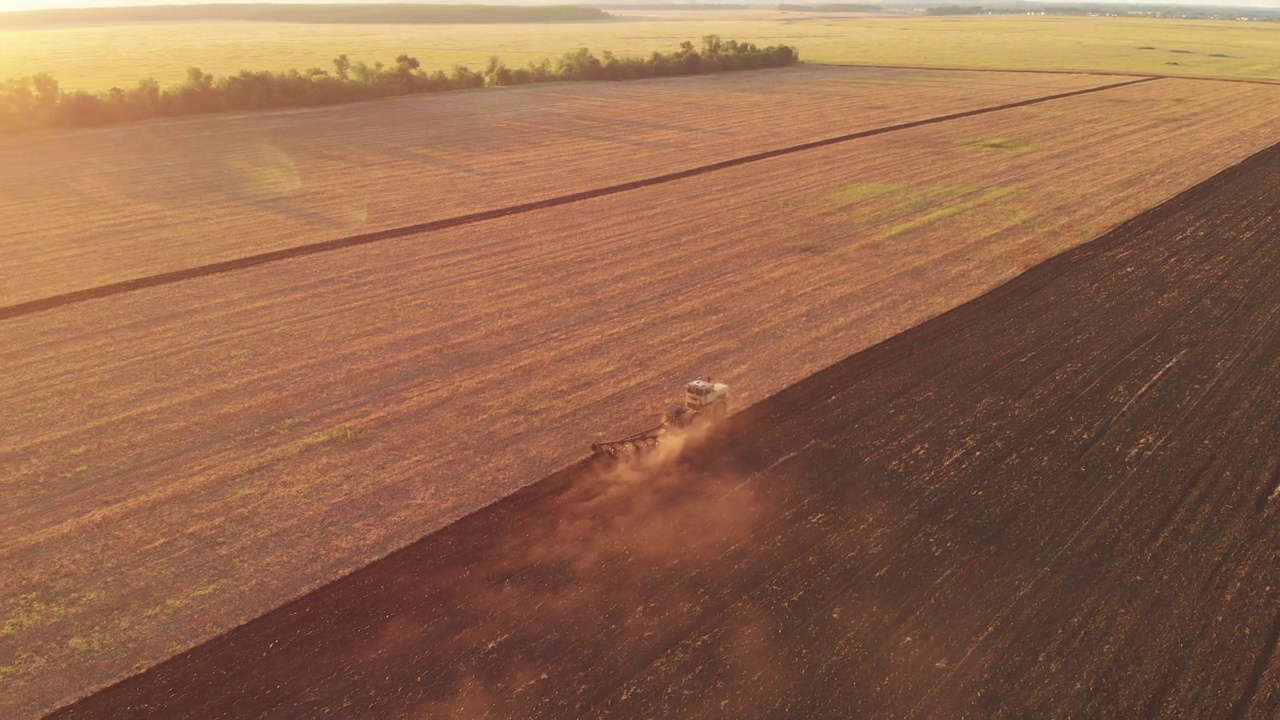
(1061, 500)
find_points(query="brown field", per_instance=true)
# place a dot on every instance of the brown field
(1056, 501)
(182, 459)
(93, 207)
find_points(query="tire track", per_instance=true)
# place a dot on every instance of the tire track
(167, 278)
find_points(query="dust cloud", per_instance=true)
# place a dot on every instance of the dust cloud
(622, 555)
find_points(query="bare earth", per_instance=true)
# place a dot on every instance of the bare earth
(180, 460)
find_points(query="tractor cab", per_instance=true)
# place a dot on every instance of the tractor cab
(702, 394)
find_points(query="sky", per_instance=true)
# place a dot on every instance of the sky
(43, 4)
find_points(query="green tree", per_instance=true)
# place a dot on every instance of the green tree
(342, 64)
(405, 65)
(497, 74)
(199, 80)
(363, 73)
(580, 65)
(47, 95)
(145, 98)
(83, 109)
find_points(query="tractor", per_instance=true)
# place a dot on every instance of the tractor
(704, 401)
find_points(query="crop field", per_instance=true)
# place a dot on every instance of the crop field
(182, 459)
(97, 58)
(96, 207)
(101, 206)
(1058, 500)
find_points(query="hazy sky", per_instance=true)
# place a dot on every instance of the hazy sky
(39, 4)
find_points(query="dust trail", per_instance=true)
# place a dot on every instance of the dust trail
(548, 596)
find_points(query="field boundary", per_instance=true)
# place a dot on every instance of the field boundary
(1049, 71)
(31, 307)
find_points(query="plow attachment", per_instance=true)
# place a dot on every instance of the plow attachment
(635, 443)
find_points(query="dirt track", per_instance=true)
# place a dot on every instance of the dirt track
(1058, 500)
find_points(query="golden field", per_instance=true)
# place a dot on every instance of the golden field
(97, 58)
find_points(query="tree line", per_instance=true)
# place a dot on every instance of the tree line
(831, 7)
(38, 101)
(958, 10)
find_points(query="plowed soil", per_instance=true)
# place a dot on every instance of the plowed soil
(179, 460)
(1059, 500)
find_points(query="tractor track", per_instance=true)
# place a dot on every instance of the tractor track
(1049, 502)
(167, 278)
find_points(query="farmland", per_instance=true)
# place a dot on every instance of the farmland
(95, 207)
(218, 446)
(96, 58)
(1058, 500)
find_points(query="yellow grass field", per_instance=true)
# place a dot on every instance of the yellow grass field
(97, 58)
(181, 459)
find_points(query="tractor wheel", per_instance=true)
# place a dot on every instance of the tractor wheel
(718, 411)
